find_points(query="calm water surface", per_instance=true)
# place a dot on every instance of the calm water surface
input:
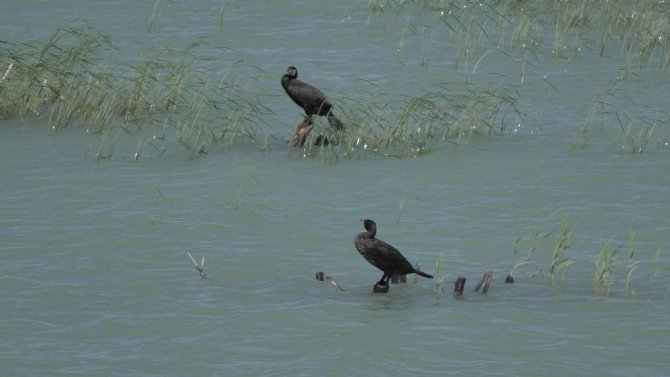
(94, 274)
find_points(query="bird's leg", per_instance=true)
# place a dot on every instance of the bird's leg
(382, 285)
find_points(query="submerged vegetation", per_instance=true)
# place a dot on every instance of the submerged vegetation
(180, 98)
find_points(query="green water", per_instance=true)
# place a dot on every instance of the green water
(93, 268)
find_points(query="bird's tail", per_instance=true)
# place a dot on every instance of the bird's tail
(423, 274)
(334, 122)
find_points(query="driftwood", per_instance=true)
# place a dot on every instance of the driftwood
(459, 285)
(301, 133)
(200, 267)
(485, 282)
(320, 276)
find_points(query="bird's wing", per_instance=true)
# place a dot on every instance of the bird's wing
(390, 256)
(304, 93)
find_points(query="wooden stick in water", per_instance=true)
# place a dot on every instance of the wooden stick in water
(486, 281)
(200, 267)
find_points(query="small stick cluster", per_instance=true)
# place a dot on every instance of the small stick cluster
(320, 276)
(200, 267)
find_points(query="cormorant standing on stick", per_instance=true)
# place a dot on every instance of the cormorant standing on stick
(311, 99)
(383, 256)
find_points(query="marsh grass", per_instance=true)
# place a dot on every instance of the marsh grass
(634, 33)
(638, 29)
(534, 242)
(644, 128)
(413, 127)
(609, 270)
(73, 79)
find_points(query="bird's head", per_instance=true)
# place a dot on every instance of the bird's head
(292, 72)
(370, 226)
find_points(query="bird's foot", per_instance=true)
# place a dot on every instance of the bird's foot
(380, 287)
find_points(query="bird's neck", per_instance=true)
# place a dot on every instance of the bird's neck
(284, 83)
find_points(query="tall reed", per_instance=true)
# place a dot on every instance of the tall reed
(437, 289)
(632, 265)
(604, 267)
(558, 260)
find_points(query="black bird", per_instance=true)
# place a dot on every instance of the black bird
(311, 99)
(382, 255)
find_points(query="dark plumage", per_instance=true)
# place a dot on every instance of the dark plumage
(382, 255)
(311, 99)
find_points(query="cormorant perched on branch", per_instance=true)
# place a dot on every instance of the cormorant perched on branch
(311, 99)
(382, 255)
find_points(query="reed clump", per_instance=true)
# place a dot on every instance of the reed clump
(73, 79)
(412, 128)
